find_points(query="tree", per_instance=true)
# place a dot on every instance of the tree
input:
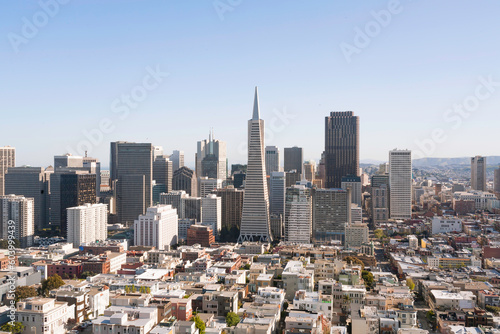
(367, 278)
(354, 260)
(23, 292)
(410, 284)
(246, 266)
(430, 315)
(86, 274)
(379, 234)
(232, 319)
(16, 327)
(4, 244)
(51, 283)
(127, 289)
(199, 324)
(493, 309)
(148, 289)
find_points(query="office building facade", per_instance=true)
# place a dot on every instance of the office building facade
(255, 218)
(400, 183)
(341, 147)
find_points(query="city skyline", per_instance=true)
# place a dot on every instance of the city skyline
(409, 72)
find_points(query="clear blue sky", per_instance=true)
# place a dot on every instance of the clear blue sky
(65, 77)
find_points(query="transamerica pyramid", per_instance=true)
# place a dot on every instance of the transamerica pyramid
(255, 217)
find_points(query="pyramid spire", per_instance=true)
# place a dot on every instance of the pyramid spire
(256, 112)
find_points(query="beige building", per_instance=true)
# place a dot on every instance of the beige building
(44, 315)
(356, 235)
(7, 159)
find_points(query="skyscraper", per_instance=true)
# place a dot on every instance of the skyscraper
(272, 159)
(294, 158)
(277, 193)
(132, 168)
(177, 159)
(31, 182)
(157, 227)
(163, 171)
(211, 213)
(478, 173)
(310, 170)
(7, 159)
(255, 217)
(19, 210)
(211, 158)
(76, 189)
(331, 212)
(354, 183)
(232, 206)
(206, 186)
(496, 180)
(341, 147)
(185, 179)
(298, 214)
(87, 223)
(400, 183)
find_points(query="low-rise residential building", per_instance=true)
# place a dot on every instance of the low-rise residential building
(45, 314)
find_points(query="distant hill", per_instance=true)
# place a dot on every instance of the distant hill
(434, 162)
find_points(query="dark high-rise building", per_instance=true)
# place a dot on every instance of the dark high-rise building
(232, 206)
(210, 166)
(341, 147)
(292, 177)
(330, 213)
(163, 172)
(294, 159)
(31, 182)
(239, 179)
(238, 168)
(132, 168)
(76, 189)
(496, 180)
(185, 179)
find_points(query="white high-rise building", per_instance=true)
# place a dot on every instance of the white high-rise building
(255, 224)
(207, 186)
(7, 159)
(157, 228)
(400, 183)
(277, 183)
(211, 212)
(478, 173)
(272, 159)
(177, 159)
(17, 219)
(298, 214)
(87, 223)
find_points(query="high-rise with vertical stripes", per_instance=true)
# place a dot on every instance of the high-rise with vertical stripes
(341, 147)
(255, 218)
(400, 183)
